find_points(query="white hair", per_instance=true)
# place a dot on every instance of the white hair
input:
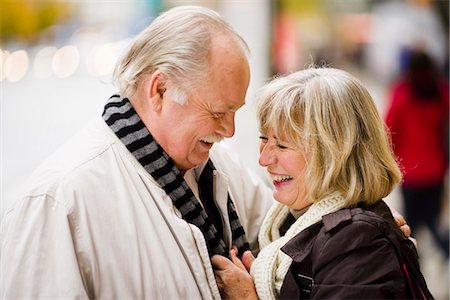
(177, 43)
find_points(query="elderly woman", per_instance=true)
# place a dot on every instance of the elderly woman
(328, 154)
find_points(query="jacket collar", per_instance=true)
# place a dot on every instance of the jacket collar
(300, 245)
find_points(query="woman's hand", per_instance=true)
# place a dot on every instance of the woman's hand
(232, 276)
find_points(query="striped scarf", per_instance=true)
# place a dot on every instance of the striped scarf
(123, 120)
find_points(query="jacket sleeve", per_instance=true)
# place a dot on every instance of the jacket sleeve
(38, 256)
(356, 262)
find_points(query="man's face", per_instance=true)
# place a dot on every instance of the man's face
(208, 115)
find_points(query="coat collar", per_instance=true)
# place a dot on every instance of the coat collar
(300, 245)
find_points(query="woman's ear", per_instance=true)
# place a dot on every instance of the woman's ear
(156, 87)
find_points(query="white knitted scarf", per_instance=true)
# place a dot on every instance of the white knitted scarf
(271, 266)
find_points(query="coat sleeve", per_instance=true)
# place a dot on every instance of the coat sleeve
(38, 252)
(356, 262)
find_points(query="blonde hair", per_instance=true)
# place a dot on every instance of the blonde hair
(177, 43)
(331, 116)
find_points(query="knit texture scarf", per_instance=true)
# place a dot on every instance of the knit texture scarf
(123, 120)
(271, 266)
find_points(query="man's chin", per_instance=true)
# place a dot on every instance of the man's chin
(194, 162)
(201, 159)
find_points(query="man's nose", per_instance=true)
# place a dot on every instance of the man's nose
(227, 126)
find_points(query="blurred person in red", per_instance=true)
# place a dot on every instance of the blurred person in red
(418, 120)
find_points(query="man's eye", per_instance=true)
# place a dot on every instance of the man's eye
(217, 115)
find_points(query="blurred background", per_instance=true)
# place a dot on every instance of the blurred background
(57, 57)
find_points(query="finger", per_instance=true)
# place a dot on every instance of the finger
(237, 262)
(220, 262)
(247, 259)
(414, 241)
(406, 230)
(399, 219)
(235, 248)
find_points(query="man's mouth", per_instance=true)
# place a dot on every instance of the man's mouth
(206, 144)
(208, 141)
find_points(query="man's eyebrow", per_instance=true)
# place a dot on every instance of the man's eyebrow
(235, 109)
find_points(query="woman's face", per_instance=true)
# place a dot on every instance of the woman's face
(286, 165)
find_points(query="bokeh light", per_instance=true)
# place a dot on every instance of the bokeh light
(102, 58)
(43, 62)
(16, 65)
(66, 61)
(3, 56)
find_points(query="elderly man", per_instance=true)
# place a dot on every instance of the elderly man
(121, 211)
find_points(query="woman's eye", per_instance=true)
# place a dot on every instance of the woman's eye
(263, 139)
(281, 146)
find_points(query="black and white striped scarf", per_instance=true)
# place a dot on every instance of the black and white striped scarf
(123, 120)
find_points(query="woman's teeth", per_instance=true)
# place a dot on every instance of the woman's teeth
(281, 178)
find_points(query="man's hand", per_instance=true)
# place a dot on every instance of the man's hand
(402, 225)
(401, 222)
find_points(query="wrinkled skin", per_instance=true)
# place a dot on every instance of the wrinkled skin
(232, 276)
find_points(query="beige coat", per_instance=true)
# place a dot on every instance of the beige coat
(94, 224)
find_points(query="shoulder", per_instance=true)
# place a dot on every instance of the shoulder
(342, 232)
(348, 247)
(347, 224)
(359, 237)
(86, 156)
(377, 215)
(400, 93)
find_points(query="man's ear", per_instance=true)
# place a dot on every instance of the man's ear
(156, 89)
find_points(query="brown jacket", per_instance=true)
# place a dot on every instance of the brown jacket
(346, 256)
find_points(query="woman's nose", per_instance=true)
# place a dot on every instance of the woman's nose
(266, 156)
